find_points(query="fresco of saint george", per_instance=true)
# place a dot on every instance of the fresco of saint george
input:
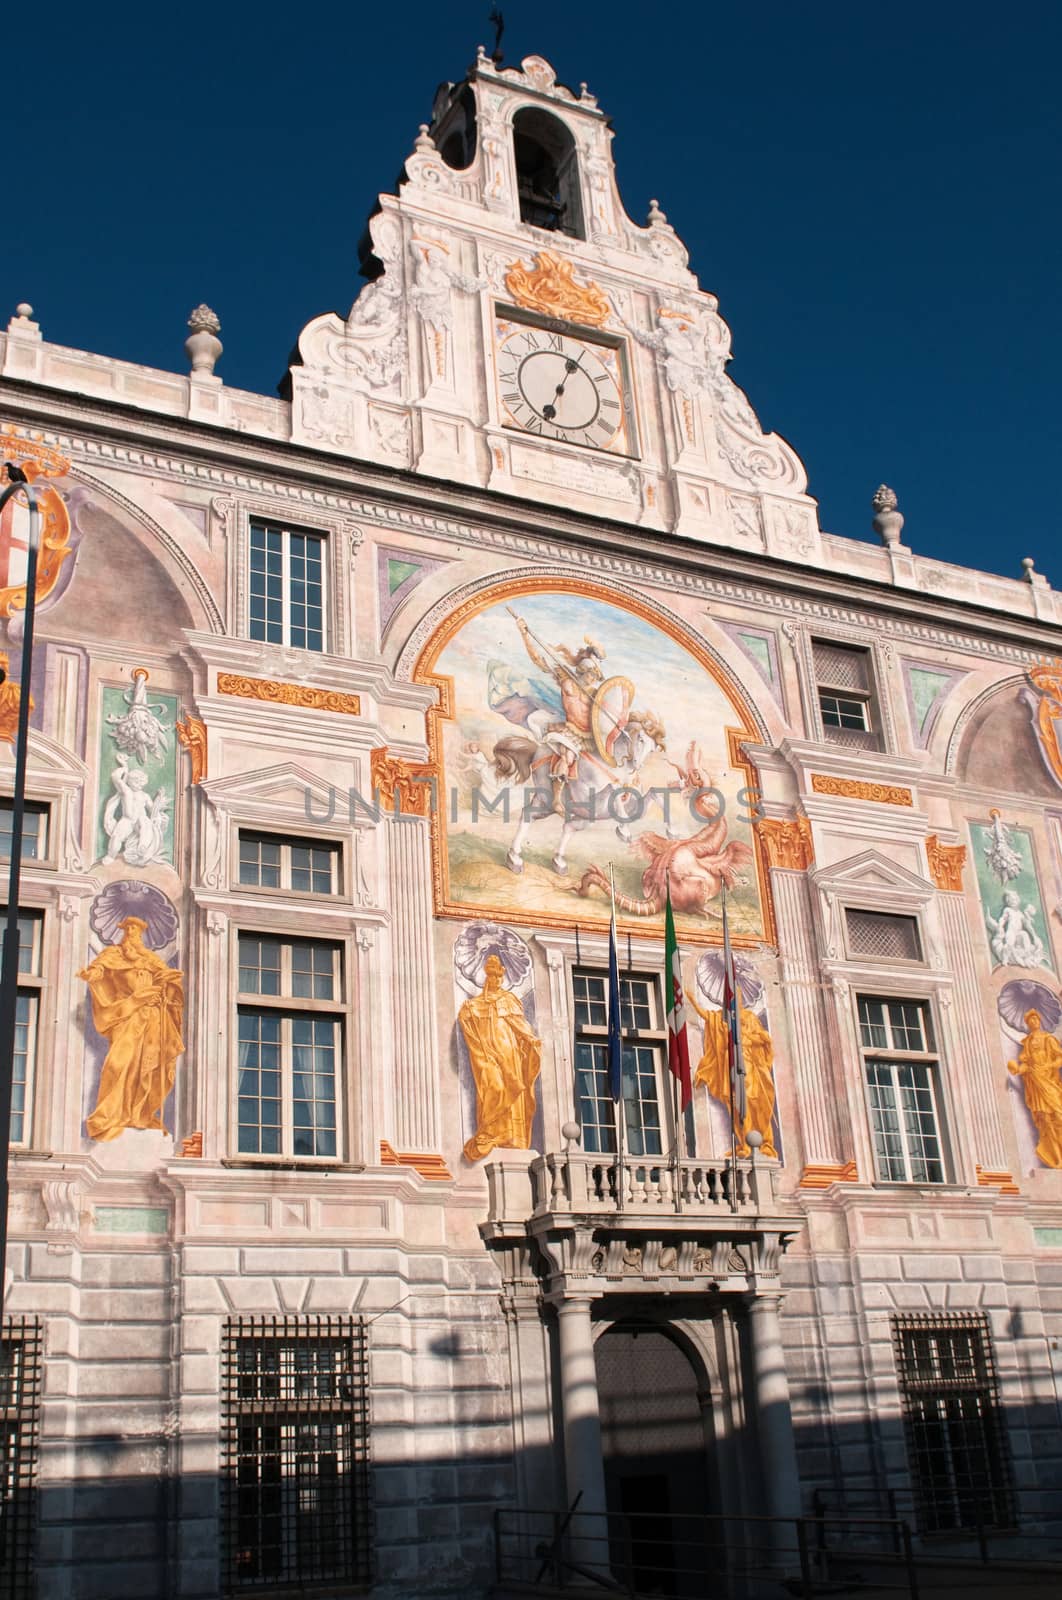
(506, 1058)
(137, 1006)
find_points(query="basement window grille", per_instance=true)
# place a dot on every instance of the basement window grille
(20, 1411)
(295, 1436)
(956, 1438)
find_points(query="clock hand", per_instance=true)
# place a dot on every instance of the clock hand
(570, 366)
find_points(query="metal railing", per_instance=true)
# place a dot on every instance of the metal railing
(677, 1556)
(976, 1534)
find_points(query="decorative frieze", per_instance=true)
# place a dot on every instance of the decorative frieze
(885, 794)
(289, 694)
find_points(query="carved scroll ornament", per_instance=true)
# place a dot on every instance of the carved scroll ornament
(288, 694)
(946, 862)
(191, 731)
(550, 286)
(787, 844)
(885, 794)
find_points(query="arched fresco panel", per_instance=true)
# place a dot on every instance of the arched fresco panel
(579, 735)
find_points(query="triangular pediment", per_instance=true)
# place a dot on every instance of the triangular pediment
(871, 874)
(47, 758)
(287, 790)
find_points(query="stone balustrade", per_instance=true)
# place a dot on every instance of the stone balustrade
(574, 1180)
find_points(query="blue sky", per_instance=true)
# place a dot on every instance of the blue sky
(872, 191)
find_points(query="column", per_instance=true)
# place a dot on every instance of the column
(972, 1059)
(583, 1463)
(809, 1032)
(773, 1418)
(416, 1088)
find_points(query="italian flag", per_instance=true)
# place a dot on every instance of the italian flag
(678, 1049)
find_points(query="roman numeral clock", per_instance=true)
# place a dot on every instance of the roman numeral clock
(558, 380)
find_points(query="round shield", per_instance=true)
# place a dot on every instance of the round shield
(608, 716)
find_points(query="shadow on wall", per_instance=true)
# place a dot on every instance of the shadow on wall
(425, 1522)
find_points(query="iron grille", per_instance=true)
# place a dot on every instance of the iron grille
(20, 1410)
(295, 1437)
(841, 666)
(956, 1438)
(884, 935)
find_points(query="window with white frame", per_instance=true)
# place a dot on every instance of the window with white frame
(301, 866)
(287, 586)
(844, 678)
(27, 1009)
(644, 1034)
(902, 1071)
(35, 818)
(290, 1044)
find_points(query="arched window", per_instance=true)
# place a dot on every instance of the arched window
(454, 127)
(547, 173)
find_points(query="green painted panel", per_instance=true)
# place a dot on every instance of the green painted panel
(398, 572)
(132, 1219)
(925, 687)
(1048, 1238)
(759, 650)
(1015, 923)
(138, 776)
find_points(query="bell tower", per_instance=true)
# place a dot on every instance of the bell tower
(521, 333)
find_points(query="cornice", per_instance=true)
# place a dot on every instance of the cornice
(110, 435)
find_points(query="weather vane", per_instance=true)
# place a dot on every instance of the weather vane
(498, 20)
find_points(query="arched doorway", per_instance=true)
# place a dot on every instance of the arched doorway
(655, 1446)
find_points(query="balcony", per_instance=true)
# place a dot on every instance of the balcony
(581, 1223)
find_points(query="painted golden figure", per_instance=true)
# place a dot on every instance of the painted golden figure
(1039, 1066)
(137, 1005)
(10, 695)
(714, 1072)
(506, 1058)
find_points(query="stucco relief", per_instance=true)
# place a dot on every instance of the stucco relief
(138, 778)
(1015, 923)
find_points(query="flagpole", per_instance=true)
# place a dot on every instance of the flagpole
(728, 964)
(620, 1109)
(676, 1093)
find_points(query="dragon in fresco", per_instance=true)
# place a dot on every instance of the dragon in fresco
(696, 867)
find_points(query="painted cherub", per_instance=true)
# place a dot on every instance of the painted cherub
(135, 824)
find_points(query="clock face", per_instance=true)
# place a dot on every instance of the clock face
(561, 385)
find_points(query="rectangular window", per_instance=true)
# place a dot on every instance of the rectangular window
(287, 587)
(34, 830)
(644, 1050)
(20, 1411)
(901, 1072)
(303, 866)
(27, 1007)
(883, 935)
(290, 1040)
(295, 1431)
(844, 677)
(956, 1439)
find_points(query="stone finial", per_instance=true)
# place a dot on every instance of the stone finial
(655, 213)
(203, 347)
(570, 1133)
(1030, 574)
(22, 322)
(424, 144)
(887, 521)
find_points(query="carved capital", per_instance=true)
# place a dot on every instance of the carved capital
(946, 862)
(787, 844)
(191, 731)
(403, 785)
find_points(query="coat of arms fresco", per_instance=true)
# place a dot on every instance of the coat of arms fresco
(579, 737)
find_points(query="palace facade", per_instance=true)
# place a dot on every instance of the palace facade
(350, 707)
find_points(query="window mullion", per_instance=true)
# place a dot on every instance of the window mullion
(285, 587)
(287, 1088)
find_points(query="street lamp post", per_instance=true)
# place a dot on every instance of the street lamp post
(17, 481)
